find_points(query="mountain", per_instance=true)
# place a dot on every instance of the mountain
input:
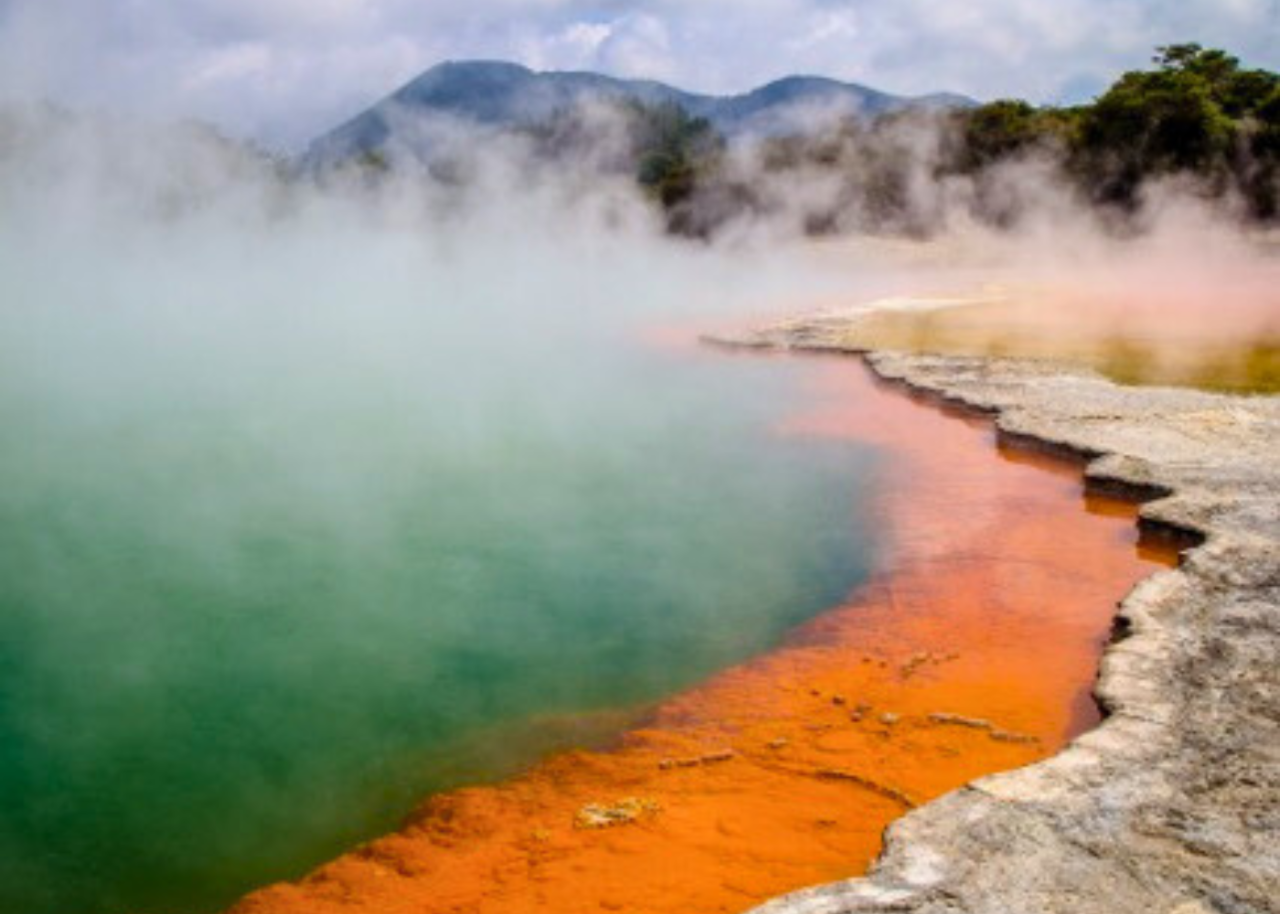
(498, 94)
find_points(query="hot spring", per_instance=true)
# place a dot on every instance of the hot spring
(285, 548)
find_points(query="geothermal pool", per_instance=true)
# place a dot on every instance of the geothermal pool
(970, 649)
(275, 567)
(248, 620)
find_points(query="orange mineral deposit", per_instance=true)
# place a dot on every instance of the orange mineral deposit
(971, 650)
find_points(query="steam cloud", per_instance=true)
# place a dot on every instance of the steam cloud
(303, 485)
(161, 277)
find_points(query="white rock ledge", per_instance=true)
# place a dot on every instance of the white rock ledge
(1173, 803)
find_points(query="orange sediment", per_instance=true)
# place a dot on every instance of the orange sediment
(972, 650)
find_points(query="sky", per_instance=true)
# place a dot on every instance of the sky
(283, 71)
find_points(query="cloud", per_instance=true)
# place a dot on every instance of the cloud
(827, 26)
(639, 46)
(285, 70)
(576, 46)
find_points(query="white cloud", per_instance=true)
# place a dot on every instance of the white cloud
(233, 64)
(827, 25)
(575, 47)
(284, 70)
(638, 46)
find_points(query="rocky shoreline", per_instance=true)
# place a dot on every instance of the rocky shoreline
(1173, 803)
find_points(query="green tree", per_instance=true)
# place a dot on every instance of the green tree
(998, 130)
(673, 150)
(1193, 114)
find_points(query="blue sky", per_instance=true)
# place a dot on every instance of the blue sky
(282, 71)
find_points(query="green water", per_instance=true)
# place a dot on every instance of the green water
(266, 583)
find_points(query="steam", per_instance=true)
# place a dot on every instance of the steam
(1187, 268)
(210, 359)
(309, 488)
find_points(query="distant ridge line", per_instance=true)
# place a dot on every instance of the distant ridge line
(503, 93)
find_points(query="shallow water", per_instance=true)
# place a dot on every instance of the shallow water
(251, 610)
(1130, 342)
(971, 650)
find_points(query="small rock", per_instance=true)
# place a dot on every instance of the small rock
(1008, 736)
(914, 663)
(624, 812)
(709, 758)
(976, 723)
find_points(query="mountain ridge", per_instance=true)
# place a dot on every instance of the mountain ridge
(499, 93)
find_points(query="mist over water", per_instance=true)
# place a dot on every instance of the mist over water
(316, 500)
(303, 518)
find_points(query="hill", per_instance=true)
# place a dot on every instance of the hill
(498, 94)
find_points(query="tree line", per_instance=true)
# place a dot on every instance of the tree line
(1196, 116)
